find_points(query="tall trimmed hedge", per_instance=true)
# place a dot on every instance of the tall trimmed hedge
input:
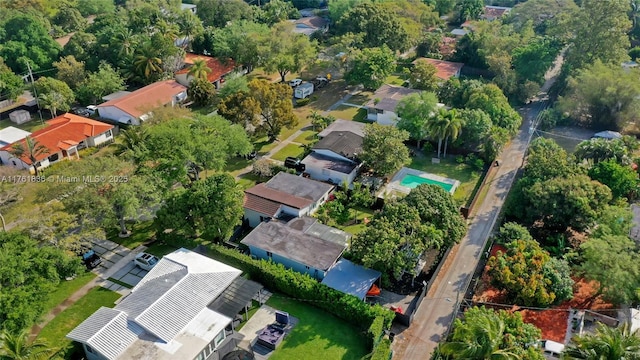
(297, 285)
(382, 351)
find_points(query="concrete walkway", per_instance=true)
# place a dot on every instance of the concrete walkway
(100, 280)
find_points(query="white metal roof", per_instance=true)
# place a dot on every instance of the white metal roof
(11, 134)
(554, 347)
(160, 307)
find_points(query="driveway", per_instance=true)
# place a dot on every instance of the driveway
(117, 263)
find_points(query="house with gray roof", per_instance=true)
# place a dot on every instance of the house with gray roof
(335, 157)
(382, 106)
(301, 244)
(355, 127)
(284, 196)
(168, 315)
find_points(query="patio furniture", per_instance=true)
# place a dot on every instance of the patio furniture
(271, 336)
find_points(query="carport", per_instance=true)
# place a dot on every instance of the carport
(350, 278)
(236, 297)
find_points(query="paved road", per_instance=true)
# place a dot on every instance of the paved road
(435, 313)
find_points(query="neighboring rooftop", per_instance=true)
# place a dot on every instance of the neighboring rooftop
(298, 186)
(11, 134)
(494, 12)
(444, 69)
(144, 99)
(165, 316)
(218, 68)
(344, 125)
(64, 132)
(389, 96)
(459, 32)
(350, 278)
(329, 163)
(309, 25)
(344, 143)
(608, 134)
(116, 95)
(291, 241)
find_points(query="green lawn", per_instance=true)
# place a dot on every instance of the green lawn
(30, 126)
(361, 98)
(307, 137)
(346, 112)
(248, 180)
(65, 289)
(317, 333)
(54, 333)
(236, 164)
(359, 226)
(160, 249)
(291, 150)
(449, 168)
(394, 80)
(141, 232)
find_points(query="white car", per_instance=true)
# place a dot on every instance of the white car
(145, 261)
(295, 82)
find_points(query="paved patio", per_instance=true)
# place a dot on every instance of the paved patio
(117, 263)
(266, 315)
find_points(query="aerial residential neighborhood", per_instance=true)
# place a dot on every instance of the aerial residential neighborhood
(319, 179)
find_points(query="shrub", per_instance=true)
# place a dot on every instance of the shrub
(297, 285)
(428, 147)
(382, 351)
(302, 102)
(263, 168)
(460, 159)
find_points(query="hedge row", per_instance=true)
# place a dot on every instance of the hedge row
(382, 351)
(276, 277)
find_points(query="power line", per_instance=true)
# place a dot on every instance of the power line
(538, 308)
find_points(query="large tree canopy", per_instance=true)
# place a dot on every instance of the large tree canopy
(24, 38)
(415, 112)
(603, 96)
(287, 51)
(383, 148)
(370, 67)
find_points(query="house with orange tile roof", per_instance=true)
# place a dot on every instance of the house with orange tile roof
(219, 69)
(137, 106)
(63, 137)
(444, 69)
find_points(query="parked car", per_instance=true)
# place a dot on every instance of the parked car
(90, 259)
(145, 261)
(92, 109)
(295, 82)
(294, 163)
(82, 111)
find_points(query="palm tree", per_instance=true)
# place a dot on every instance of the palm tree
(126, 42)
(479, 340)
(30, 148)
(134, 143)
(454, 125)
(437, 128)
(606, 344)
(52, 101)
(199, 69)
(146, 61)
(17, 347)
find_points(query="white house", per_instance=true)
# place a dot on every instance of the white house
(136, 106)
(381, 108)
(284, 196)
(189, 7)
(177, 311)
(335, 158)
(63, 137)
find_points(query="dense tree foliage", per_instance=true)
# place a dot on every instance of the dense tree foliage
(287, 51)
(607, 343)
(543, 14)
(596, 150)
(266, 108)
(603, 97)
(490, 99)
(243, 41)
(25, 38)
(209, 208)
(11, 85)
(530, 275)
(54, 94)
(487, 334)
(370, 67)
(201, 91)
(29, 272)
(423, 76)
(219, 13)
(415, 111)
(383, 148)
(622, 180)
(377, 25)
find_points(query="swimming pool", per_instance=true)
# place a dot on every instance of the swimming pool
(412, 181)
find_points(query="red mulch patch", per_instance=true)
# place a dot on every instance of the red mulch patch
(553, 323)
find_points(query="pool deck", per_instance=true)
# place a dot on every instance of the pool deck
(395, 187)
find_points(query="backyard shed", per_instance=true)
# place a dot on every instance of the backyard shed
(350, 278)
(20, 116)
(303, 90)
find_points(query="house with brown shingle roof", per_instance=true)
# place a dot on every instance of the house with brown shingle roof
(382, 106)
(444, 69)
(284, 196)
(137, 106)
(494, 12)
(63, 137)
(219, 69)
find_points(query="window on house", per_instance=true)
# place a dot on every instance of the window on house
(200, 356)
(269, 254)
(54, 157)
(379, 111)
(219, 338)
(108, 133)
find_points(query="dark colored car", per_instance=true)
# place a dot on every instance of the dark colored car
(91, 260)
(293, 163)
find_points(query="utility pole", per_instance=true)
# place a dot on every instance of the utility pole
(33, 88)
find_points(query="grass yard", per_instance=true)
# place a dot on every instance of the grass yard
(160, 249)
(247, 180)
(30, 126)
(346, 112)
(54, 333)
(65, 289)
(234, 166)
(291, 150)
(359, 226)
(141, 232)
(394, 79)
(449, 168)
(317, 333)
(361, 98)
(307, 137)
